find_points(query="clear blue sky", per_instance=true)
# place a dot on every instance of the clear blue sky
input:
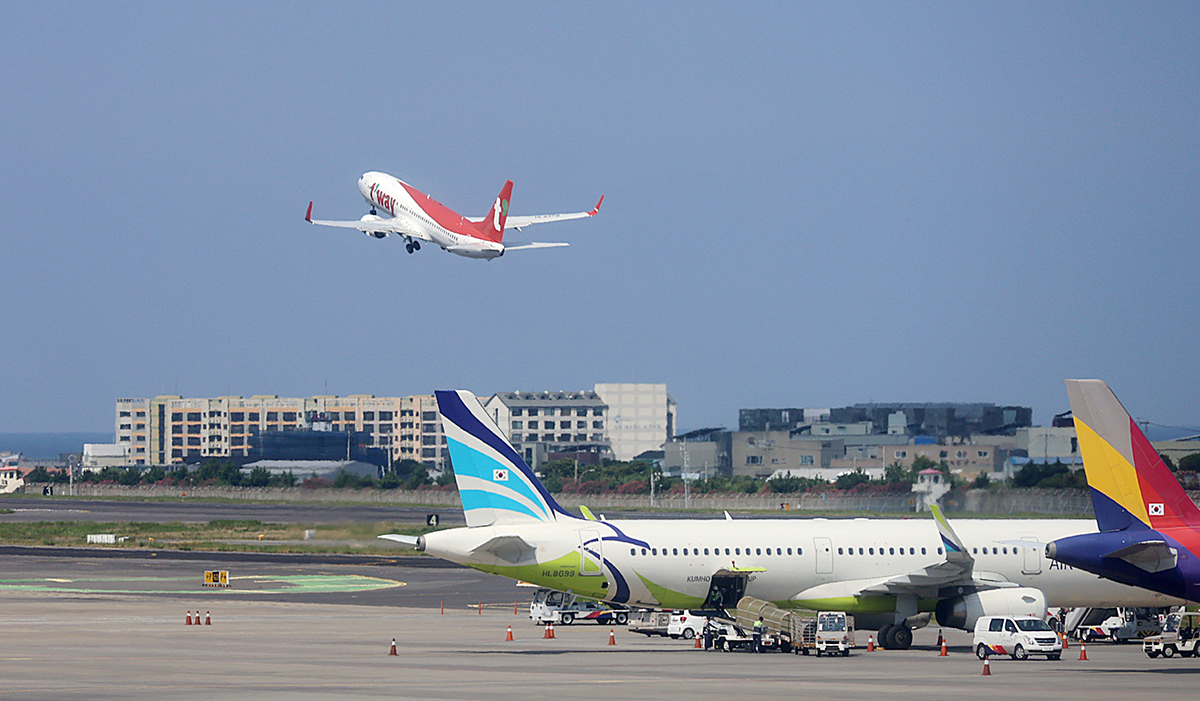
(806, 205)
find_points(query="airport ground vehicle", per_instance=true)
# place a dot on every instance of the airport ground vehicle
(1016, 636)
(550, 606)
(730, 637)
(826, 633)
(1181, 635)
(1120, 625)
(689, 624)
(649, 622)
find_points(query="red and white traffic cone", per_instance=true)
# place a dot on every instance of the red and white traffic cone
(546, 635)
(443, 608)
(987, 667)
(943, 653)
(207, 619)
(612, 637)
(188, 620)
(552, 631)
(697, 646)
(1066, 645)
(509, 638)
(1083, 651)
(393, 652)
(870, 643)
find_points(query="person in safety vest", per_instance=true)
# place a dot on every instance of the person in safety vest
(758, 631)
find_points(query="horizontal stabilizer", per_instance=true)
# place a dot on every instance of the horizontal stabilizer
(1150, 555)
(409, 540)
(510, 548)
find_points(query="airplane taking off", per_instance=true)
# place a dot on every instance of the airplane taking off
(891, 574)
(1149, 527)
(418, 217)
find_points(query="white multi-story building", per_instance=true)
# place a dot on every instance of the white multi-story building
(540, 423)
(641, 417)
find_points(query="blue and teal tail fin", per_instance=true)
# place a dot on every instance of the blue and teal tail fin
(494, 483)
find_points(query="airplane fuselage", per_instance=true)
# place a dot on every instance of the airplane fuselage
(429, 219)
(798, 563)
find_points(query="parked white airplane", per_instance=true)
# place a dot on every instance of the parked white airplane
(418, 217)
(891, 574)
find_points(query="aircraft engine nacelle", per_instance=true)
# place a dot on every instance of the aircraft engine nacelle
(376, 234)
(962, 611)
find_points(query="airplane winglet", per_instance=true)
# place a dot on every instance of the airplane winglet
(955, 550)
(596, 209)
(308, 216)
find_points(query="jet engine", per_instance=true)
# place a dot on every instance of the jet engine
(962, 611)
(376, 234)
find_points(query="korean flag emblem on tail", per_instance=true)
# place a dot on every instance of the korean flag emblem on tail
(502, 476)
(1157, 510)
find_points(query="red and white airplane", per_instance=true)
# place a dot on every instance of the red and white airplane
(418, 217)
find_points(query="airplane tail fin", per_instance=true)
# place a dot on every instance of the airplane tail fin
(1130, 484)
(496, 486)
(492, 226)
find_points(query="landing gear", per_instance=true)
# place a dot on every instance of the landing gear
(373, 212)
(896, 637)
(412, 246)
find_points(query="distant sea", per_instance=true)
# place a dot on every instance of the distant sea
(47, 446)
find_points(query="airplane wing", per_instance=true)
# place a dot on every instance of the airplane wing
(521, 246)
(371, 226)
(519, 222)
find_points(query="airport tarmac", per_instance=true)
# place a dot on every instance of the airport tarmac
(121, 635)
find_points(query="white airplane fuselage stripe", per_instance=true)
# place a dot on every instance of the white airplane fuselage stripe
(784, 576)
(392, 197)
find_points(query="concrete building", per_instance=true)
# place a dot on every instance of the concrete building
(641, 417)
(541, 423)
(100, 455)
(1048, 442)
(172, 429)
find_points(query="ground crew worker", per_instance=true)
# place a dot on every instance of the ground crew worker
(709, 629)
(758, 631)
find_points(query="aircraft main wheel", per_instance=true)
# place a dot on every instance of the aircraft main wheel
(901, 637)
(416, 245)
(981, 651)
(568, 619)
(884, 636)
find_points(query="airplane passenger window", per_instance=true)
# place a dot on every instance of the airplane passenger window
(860, 551)
(758, 551)
(939, 550)
(706, 551)
(675, 551)
(799, 551)
(1006, 551)
(653, 551)
(912, 551)
(633, 551)
(891, 551)
(778, 551)
(643, 551)
(922, 551)
(839, 551)
(871, 550)
(789, 551)
(726, 551)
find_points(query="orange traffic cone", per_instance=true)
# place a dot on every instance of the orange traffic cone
(480, 608)
(552, 631)
(207, 619)
(870, 643)
(547, 634)
(188, 620)
(698, 646)
(1083, 651)
(1066, 645)
(393, 652)
(443, 608)
(943, 653)
(612, 637)
(987, 667)
(509, 638)
(515, 608)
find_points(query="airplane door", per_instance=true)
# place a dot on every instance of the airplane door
(1033, 558)
(591, 552)
(824, 550)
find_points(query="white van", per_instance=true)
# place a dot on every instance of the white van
(1018, 636)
